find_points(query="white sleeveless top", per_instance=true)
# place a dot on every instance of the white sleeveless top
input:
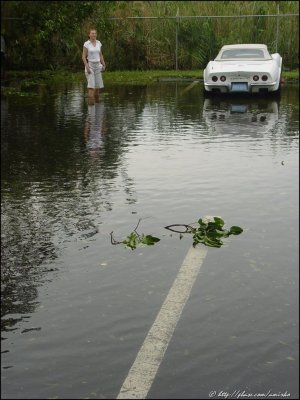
(93, 51)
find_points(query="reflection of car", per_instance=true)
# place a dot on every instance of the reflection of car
(246, 68)
(252, 117)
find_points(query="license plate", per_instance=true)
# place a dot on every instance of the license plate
(239, 87)
(238, 109)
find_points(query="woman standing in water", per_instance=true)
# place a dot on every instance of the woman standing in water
(93, 60)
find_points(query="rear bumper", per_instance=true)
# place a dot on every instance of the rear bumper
(251, 87)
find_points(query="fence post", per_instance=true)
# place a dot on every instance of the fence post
(277, 26)
(176, 49)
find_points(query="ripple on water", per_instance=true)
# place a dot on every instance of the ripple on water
(71, 174)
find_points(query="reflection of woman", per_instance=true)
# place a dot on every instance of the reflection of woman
(93, 131)
(93, 60)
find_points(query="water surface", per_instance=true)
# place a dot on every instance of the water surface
(75, 309)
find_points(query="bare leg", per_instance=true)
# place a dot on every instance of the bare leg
(97, 91)
(91, 96)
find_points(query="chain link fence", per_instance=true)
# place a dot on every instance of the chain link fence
(189, 42)
(164, 42)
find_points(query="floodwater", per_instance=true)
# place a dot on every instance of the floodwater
(76, 309)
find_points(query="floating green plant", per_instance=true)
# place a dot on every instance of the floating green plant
(133, 240)
(209, 231)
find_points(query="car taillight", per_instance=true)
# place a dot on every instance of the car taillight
(223, 78)
(214, 78)
(255, 78)
(264, 78)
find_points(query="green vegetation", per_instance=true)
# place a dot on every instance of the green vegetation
(28, 82)
(290, 75)
(209, 232)
(149, 76)
(133, 240)
(153, 76)
(121, 77)
(49, 34)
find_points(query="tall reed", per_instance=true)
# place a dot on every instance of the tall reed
(147, 43)
(51, 34)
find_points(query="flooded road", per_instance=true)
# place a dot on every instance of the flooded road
(76, 310)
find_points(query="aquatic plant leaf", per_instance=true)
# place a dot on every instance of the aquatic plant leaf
(219, 222)
(235, 230)
(149, 240)
(131, 240)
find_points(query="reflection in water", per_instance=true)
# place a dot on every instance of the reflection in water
(26, 250)
(51, 191)
(158, 155)
(243, 116)
(93, 130)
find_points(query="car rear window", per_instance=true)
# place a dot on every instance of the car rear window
(242, 53)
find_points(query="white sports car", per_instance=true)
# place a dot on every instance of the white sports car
(243, 68)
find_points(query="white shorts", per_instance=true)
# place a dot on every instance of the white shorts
(94, 79)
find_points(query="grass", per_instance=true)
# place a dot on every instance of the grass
(291, 75)
(27, 82)
(118, 76)
(148, 76)
(152, 76)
